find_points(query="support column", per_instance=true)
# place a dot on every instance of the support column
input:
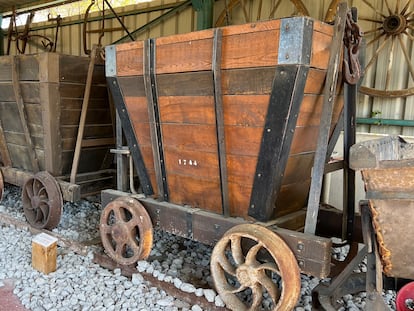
(204, 9)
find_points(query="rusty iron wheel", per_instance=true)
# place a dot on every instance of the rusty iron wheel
(295, 7)
(254, 262)
(1, 186)
(389, 33)
(42, 201)
(126, 230)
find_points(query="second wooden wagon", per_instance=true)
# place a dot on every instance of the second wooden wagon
(46, 101)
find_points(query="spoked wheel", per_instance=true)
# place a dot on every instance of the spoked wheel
(42, 201)
(263, 10)
(1, 186)
(405, 298)
(389, 37)
(126, 231)
(253, 267)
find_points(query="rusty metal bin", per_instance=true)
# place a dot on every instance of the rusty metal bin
(387, 167)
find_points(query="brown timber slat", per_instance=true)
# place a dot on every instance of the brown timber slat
(23, 116)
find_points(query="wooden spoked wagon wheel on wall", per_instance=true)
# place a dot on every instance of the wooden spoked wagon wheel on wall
(252, 267)
(263, 10)
(42, 201)
(388, 31)
(126, 231)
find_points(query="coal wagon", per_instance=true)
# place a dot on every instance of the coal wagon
(56, 130)
(222, 126)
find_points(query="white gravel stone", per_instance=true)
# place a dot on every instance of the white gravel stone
(137, 279)
(188, 288)
(177, 283)
(218, 301)
(196, 308)
(210, 294)
(198, 292)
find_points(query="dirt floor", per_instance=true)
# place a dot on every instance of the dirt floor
(9, 301)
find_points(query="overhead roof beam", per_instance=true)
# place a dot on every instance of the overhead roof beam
(30, 6)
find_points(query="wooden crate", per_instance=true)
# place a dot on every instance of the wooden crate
(51, 87)
(225, 119)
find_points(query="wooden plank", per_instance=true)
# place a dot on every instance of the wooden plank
(190, 137)
(129, 59)
(23, 116)
(94, 117)
(250, 50)
(291, 198)
(245, 110)
(28, 71)
(219, 112)
(77, 91)
(74, 69)
(97, 142)
(132, 86)
(185, 84)
(241, 140)
(195, 192)
(84, 111)
(101, 130)
(76, 103)
(20, 158)
(191, 163)
(185, 56)
(321, 43)
(248, 81)
(51, 107)
(187, 109)
(19, 139)
(4, 152)
(28, 90)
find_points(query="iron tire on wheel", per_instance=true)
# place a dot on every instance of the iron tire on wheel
(126, 231)
(251, 260)
(42, 201)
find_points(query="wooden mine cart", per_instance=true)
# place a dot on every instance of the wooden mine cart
(55, 131)
(387, 168)
(222, 127)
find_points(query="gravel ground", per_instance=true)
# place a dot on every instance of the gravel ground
(80, 284)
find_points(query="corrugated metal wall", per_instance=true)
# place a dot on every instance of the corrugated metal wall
(397, 67)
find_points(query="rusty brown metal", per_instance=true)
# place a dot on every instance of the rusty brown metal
(387, 167)
(42, 201)
(352, 42)
(278, 275)
(126, 231)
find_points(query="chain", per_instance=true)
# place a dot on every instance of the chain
(352, 41)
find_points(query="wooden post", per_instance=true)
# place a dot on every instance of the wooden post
(44, 252)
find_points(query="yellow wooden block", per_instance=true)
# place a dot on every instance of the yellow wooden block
(44, 251)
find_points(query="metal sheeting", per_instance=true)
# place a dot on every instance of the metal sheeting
(71, 32)
(70, 42)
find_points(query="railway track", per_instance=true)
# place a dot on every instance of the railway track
(83, 248)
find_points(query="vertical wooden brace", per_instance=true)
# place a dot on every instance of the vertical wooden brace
(218, 104)
(84, 111)
(22, 114)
